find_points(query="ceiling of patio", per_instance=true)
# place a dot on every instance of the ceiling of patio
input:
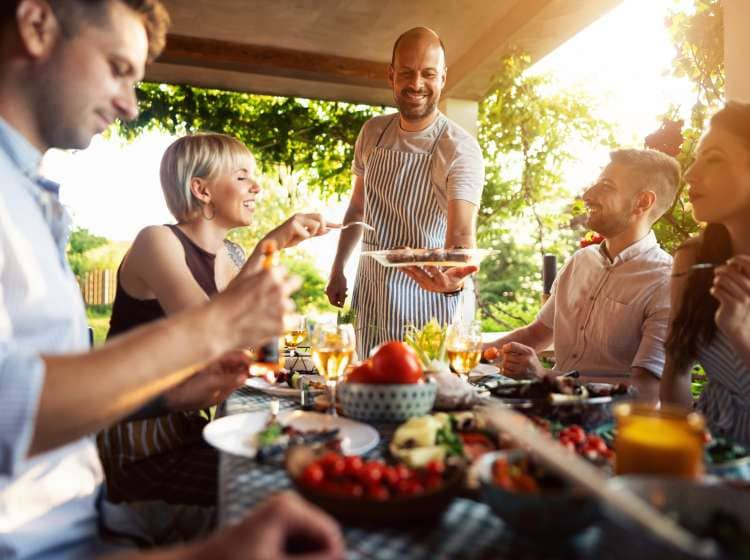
(340, 49)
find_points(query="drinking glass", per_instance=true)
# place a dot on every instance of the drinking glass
(295, 332)
(464, 346)
(332, 349)
(667, 441)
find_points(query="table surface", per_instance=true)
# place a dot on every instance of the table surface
(467, 530)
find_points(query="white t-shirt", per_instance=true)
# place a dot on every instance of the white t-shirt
(608, 317)
(457, 166)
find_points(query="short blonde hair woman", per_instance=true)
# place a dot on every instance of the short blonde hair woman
(209, 183)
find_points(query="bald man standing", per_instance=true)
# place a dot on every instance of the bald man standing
(418, 182)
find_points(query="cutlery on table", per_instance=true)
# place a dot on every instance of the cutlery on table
(696, 266)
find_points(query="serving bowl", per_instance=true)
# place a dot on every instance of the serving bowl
(557, 511)
(386, 403)
(394, 511)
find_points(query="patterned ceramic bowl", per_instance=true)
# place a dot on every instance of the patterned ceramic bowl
(386, 403)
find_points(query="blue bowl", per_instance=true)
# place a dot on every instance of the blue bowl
(558, 514)
(386, 403)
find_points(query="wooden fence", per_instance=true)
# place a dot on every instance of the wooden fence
(98, 287)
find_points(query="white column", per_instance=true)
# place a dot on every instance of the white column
(462, 111)
(737, 49)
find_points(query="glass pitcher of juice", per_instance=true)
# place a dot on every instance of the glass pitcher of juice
(664, 441)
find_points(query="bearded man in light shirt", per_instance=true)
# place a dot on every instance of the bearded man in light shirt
(609, 308)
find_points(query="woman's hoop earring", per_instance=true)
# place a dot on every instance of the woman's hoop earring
(203, 211)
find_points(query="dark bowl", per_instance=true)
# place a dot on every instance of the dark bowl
(557, 514)
(420, 509)
(590, 412)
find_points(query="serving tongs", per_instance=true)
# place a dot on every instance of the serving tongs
(591, 480)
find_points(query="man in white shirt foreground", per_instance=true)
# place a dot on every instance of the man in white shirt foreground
(67, 70)
(609, 308)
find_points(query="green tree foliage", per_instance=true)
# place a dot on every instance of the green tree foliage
(298, 134)
(82, 241)
(698, 36)
(529, 132)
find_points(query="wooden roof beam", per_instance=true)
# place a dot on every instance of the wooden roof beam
(498, 34)
(272, 61)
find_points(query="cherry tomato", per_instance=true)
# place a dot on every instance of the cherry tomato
(312, 475)
(598, 444)
(576, 434)
(371, 473)
(333, 464)
(391, 476)
(490, 354)
(404, 472)
(435, 467)
(353, 465)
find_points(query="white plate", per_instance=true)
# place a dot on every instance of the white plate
(234, 434)
(278, 389)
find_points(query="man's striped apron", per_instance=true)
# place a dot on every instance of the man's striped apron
(401, 206)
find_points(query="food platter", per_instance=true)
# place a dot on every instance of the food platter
(429, 257)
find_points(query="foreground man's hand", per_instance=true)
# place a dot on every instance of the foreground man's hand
(285, 526)
(211, 385)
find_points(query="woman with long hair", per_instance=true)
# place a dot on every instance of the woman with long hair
(210, 187)
(711, 302)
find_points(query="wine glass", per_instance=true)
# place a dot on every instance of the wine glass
(464, 346)
(332, 349)
(295, 332)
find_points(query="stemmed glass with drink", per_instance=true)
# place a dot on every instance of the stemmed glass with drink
(464, 346)
(295, 333)
(332, 349)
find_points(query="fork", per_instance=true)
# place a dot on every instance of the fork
(696, 266)
(363, 224)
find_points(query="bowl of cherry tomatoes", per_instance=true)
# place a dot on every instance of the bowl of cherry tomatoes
(373, 492)
(532, 500)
